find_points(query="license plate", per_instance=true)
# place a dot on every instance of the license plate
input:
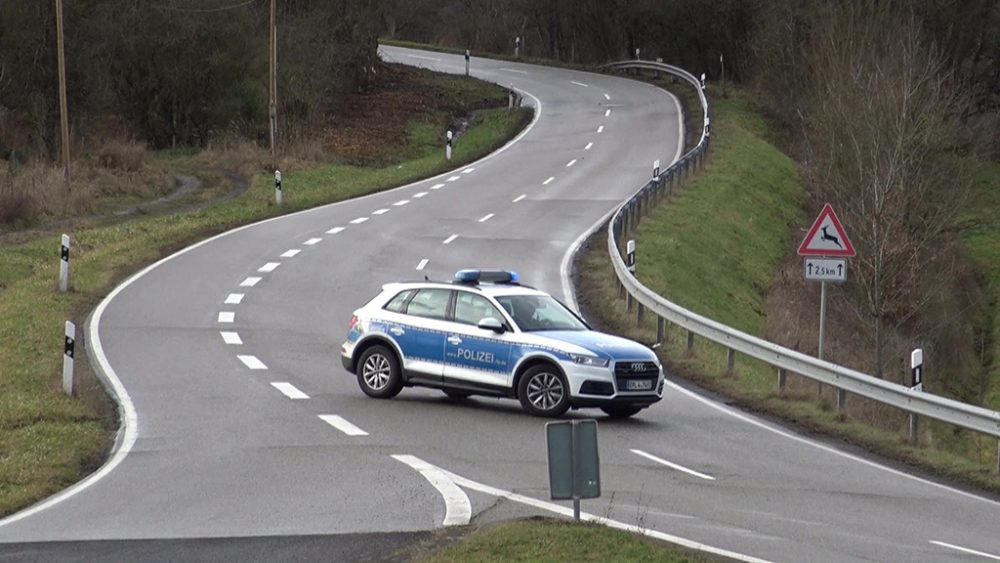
(638, 384)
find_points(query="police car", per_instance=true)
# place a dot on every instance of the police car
(485, 334)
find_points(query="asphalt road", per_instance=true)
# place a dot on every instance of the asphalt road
(218, 452)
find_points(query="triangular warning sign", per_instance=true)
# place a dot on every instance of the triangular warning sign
(826, 237)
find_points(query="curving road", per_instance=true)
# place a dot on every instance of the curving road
(246, 425)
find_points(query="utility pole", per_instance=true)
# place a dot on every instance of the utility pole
(63, 112)
(272, 55)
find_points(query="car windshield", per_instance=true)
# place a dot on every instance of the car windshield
(539, 312)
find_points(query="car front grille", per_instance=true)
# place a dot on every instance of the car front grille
(626, 372)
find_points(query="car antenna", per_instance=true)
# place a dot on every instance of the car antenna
(426, 278)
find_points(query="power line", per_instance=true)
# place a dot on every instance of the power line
(201, 10)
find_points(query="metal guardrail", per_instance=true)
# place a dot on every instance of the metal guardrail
(787, 361)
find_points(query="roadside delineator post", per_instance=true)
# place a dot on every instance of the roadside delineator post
(277, 187)
(916, 385)
(68, 355)
(467, 57)
(64, 264)
(517, 47)
(703, 81)
(447, 148)
(630, 264)
(656, 169)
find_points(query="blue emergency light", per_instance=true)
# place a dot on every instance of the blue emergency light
(486, 276)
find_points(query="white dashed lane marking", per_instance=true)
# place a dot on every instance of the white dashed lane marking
(600, 129)
(607, 113)
(289, 390)
(335, 230)
(234, 299)
(468, 171)
(519, 198)
(571, 163)
(231, 338)
(401, 202)
(419, 195)
(680, 468)
(579, 83)
(437, 186)
(252, 362)
(449, 239)
(486, 218)
(382, 211)
(227, 317)
(549, 181)
(313, 241)
(422, 264)
(249, 282)
(453, 178)
(587, 148)
(607, 97)
(339, 423)
(269, 267)
(359, 220)
(290, 253)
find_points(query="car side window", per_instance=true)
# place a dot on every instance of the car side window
(471, 308)
(429, 303)
(398, 303)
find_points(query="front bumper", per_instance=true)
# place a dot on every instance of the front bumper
(578, 376)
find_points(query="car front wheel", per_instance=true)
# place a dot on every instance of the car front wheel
(543, 391)
(379, 374)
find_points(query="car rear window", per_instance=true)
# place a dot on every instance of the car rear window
(398, 303)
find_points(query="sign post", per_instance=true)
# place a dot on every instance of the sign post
(574, 465)
(826, 238)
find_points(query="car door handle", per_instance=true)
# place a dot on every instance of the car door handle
(454, 340)
(397, 331)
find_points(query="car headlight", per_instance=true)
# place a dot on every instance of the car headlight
(589, 360)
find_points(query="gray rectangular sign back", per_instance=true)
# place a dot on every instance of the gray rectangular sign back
(574, 464)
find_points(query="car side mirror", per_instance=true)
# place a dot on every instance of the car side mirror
(490, 323)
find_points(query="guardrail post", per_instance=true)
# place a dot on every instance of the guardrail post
(690, 344)
(997, 468)
(639, 310)
(782, 380)
(914, 424)
(660, 329)
(730, 360)
(841, 399)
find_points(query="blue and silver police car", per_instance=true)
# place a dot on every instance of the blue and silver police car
(485, 334)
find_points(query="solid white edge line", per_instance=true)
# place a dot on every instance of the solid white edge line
(966, 550)
(232, 338)
(457, 508)
(251, 362)
(579, 83)
(486, 218)
(341, 424)
(568, 512)
(234, 299)
(289, 390)
(519, 198)
(226, 317)
(422, 264)
(127, 430)
(672, 465)
(250, 281)
(291, 253)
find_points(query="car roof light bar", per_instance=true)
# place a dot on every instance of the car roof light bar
(486, 276)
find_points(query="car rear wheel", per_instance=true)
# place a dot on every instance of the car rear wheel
(620, 411)
(543, 391)
(379, 374)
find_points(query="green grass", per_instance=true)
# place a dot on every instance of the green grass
(554, 541)
(714, 247)
(49, 441)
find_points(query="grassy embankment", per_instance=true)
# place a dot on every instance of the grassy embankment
(552, 540)
(714, 249)
(47, 440)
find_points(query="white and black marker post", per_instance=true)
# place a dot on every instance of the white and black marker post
(447, 149)
(703, 81)
(917, 385)
(517, 47)
(467, 57)
(68, 354)
(277, 186)
(64, 265)
(630, 256)
(656, 169)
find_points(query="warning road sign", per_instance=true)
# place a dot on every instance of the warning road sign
(826, 237)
